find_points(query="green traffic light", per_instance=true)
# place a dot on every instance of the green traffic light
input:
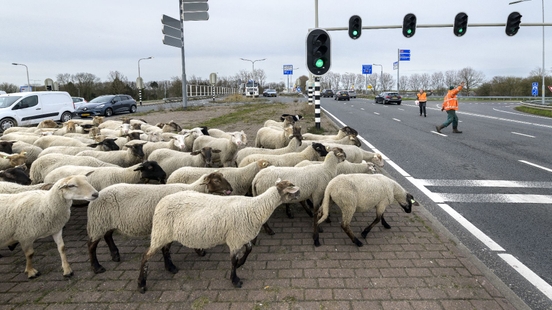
(460, 30)
(409, 31)
(319, 63)
(355, 33)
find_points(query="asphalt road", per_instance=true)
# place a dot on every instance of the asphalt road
(490, 186)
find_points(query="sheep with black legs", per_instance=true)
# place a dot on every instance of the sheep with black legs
(362, 192)
(44, 164)
(32, 215)
(311, 179)
(239, 178)
(103, 177)
(203, 221)
(313, 151)
(128, 209)
(124, 158)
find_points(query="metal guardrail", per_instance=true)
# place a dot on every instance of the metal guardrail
(537, 106)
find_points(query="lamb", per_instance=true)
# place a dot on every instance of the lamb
(32, 215)
(107, 144)
(271, 138)
(312, 180)
(12, 160)
(239, 178)
(343, 132)
(227, 148)
(103, 177)
(123, 158)
(129, 208)
(361, 192)
(311, 152)
(292, 147)
(241, 137)
(44, 164)
(171, 160)
(16, 175)
(203, 221)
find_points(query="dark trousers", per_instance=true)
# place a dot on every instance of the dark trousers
(451, 118)
(422, 106)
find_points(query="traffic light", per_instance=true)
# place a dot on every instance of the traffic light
(512, 24)
(409, 25)
(48, 87)
(460, 24)
(355, 27)
(318, 51)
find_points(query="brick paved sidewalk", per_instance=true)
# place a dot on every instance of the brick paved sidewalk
(411, 266)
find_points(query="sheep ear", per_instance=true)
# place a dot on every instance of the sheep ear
(89, 173)
(215, 151)
(292, 190)
(278, 180)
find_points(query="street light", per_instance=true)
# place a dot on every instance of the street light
(543, 58)
(140, 79)
(28, 83)
(253, 66)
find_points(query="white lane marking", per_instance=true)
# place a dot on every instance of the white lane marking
(376, 113)
(401, 109)
(483, 183)
(496, 198)
(471, 228)
(396, 119)
(535, 165)
(528, 274)
(522, 134)
(441, 134)
(362, 109)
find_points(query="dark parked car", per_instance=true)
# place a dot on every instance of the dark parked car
(327, 93)
(270, 93)
(389, 97)
(107, 105)
(342, 95)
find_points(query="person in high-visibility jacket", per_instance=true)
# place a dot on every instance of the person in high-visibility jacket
(422, 100)
(450, 104)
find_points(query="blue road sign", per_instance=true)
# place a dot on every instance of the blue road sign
(288, 69)
(366, 69)
(404, 55)
(535, 90)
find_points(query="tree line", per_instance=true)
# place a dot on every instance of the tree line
(89, 86)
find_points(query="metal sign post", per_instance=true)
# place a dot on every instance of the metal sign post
(213, 80)
(317, 101)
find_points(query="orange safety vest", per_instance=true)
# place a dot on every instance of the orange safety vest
(422, 97)
(451, 103)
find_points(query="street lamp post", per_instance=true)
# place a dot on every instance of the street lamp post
(140, 78)
(543, 45)
(28, 83)
(253, 66)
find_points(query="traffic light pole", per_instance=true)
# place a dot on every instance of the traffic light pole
(437, 26)
(317, 101)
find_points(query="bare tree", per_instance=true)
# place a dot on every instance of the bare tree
(388, 81)
(403, 83)
(425, 81)
(415, 82)
(9, 87)
(438, 82)
(260, 76)
(63, 78)
(451, 78)
(86, 84)
(472, 78)
(375, 81)
(333, 80)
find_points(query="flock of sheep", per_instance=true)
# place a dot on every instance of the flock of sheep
(201, 187)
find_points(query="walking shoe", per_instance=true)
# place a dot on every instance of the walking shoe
(438, 128)
(455, 130)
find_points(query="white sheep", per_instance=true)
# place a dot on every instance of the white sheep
(107, 144)
(201, 221)
(47, 141)
(12, 160)
(343, 132)
(345, 167)
(36, 214)
(176, 142)
(190, 136)
(14, 188)
(292, 146)
(103, 177)
(29, 138)
(227, 147)
(347, 140)
(286, 121)
(271, 138)
(129, 208)
(124, 158)
(362, 192)
(312, 152)
(239, 178)
(357, 154)
(241, 137)
(312, 180)
(171, 160)
(44, 164)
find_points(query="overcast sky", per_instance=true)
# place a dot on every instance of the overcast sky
(99, 36)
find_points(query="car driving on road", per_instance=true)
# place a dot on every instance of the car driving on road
(389, 97)
(342, 95)
(270, 93)
(327, 93)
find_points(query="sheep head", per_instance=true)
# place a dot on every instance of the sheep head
(217, 184)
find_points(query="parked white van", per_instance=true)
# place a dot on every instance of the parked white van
(30, 108)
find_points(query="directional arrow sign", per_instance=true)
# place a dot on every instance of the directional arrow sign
(404, 55)
(172, 41)
(172, 32)
(195, 7)
(173, 22)
(195, 16)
